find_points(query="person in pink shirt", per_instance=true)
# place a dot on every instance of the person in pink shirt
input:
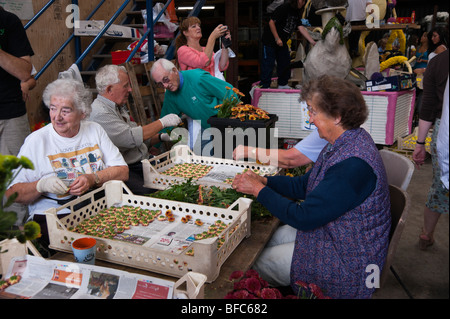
(191, 55)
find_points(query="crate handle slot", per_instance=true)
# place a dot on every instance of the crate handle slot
(52, 214)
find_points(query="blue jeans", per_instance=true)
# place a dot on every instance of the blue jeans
(282, 56)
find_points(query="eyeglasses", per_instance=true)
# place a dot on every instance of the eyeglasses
(165, 80)
(312, 111)
(64, 111)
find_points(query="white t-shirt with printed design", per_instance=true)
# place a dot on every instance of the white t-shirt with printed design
(89, 151)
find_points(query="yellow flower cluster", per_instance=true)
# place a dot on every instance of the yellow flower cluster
(392, 61)
(248, 111)
(233, 108)
(397, 34)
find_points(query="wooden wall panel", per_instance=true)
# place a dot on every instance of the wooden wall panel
(48, 33)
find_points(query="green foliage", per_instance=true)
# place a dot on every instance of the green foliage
(209, 196)
(333, 22)
(230, 100)
(9, 168)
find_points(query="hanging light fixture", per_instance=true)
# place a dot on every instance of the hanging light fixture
(190, 8)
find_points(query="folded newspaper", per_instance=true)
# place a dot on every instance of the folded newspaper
(54, 279)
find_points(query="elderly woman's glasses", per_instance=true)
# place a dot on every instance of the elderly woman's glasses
(312, 111)
(65, 111)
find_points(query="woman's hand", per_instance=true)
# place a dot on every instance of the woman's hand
(228, 37)
(82, 184)
(219, 31)
(249, 183)
(419, 155)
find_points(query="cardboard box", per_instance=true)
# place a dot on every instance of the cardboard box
(93, 28)
(392, 83)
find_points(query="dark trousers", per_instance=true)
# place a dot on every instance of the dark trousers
(136, 180)
(282, 57)
(41, 219)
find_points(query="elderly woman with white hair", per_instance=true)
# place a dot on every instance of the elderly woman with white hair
(71, 156)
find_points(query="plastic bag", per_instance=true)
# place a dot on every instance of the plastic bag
(165, 18)
(328, 57)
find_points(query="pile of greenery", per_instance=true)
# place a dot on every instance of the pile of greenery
(213, 196)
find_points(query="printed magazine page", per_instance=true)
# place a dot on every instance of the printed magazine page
(54, 279)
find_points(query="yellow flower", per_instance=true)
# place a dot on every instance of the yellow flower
(392, 61)
(238, 92)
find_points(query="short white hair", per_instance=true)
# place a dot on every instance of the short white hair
(70, 89)
(108, 75)
(162, 63)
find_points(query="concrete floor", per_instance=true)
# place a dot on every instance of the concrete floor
(424, 273)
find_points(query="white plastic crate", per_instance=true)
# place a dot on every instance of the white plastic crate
(390, 113)
(208, 255)
(154, 168)
(12, 248)
(292, 115)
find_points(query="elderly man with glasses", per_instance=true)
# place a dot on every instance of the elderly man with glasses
(133, 141)
(194, 93)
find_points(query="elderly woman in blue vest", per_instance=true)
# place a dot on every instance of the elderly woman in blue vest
(339, 232)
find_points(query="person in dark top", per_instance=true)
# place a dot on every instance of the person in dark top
(283, 22)
(430, 113)
(15, 66)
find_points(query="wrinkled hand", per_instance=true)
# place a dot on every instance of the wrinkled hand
(249, 183)
(170, 120)
(419, 155)
(51, 184)
(81, 185)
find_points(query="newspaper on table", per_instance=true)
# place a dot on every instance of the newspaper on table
(55, 279)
